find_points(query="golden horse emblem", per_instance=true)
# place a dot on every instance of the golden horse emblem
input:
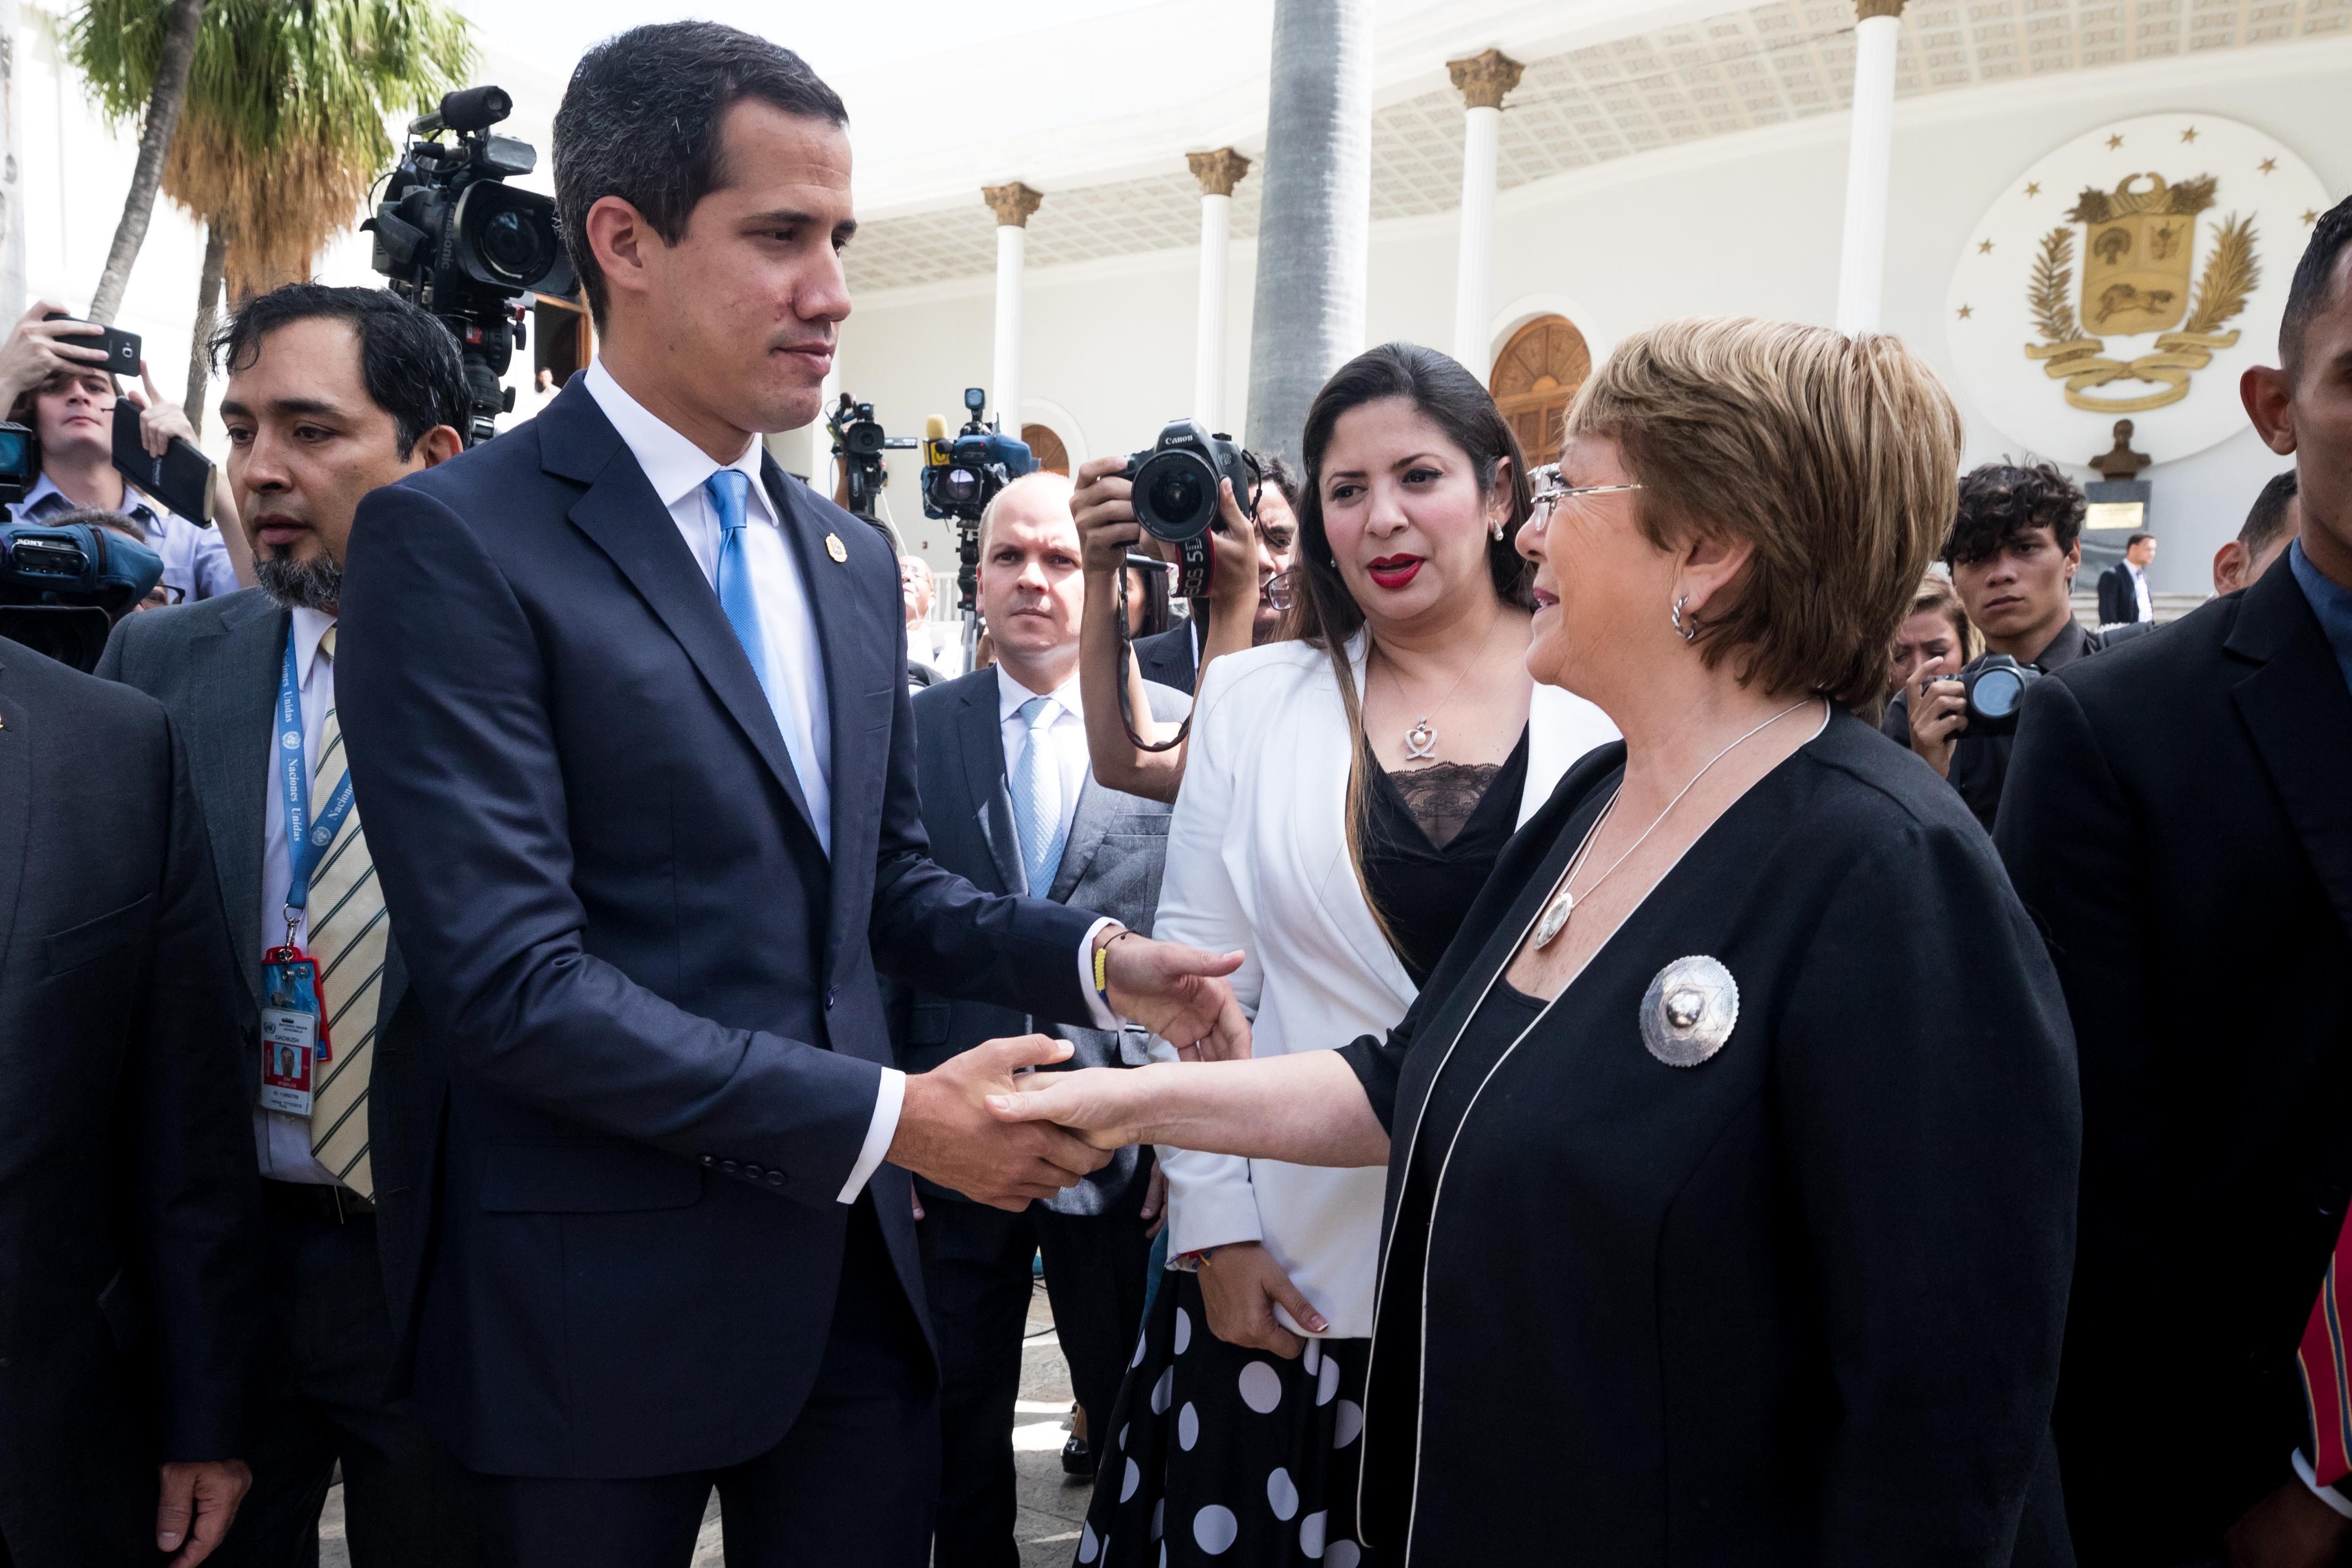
(2139, 253)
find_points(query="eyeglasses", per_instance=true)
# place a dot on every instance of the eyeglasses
(1550, 492)
(1281, 590)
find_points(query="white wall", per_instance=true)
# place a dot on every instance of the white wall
(1749, 226)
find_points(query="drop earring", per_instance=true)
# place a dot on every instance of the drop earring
(1498, 531)
(1687, 632)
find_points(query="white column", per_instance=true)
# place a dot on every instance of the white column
(1218, 173)
(12, 184)
(1861, 263)
(1483, 80)
(1013, 205)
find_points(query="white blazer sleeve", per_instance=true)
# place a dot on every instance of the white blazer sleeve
(1211, 1202)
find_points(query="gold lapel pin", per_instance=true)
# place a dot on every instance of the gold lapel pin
(835, 548)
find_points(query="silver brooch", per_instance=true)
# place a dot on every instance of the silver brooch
(1689, 1010)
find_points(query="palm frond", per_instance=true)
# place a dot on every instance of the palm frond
(2053, 282)
(2231, 275)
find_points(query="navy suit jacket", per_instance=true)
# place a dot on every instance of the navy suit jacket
(656, 998)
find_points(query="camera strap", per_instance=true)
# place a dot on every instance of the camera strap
(1126, 662)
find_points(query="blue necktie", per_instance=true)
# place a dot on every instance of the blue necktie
(1037, 798)
(728, 488)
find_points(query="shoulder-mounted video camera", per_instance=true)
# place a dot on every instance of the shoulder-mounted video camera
(858, 443)
(962, 473)
(62, 588)
(455, 239)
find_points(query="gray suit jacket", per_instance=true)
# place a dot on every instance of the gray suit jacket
(1111, 865)
(214, 664)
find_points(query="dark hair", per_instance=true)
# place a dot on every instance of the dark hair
(1276, 471)
(640, 122)
(1326, 613)
(1999, 502)
(2315, 279)
(408, 361)
(1158, 617)
(2266, 519)
(2137, 539)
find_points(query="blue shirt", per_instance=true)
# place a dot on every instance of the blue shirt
(2330, 601)
(195, 561)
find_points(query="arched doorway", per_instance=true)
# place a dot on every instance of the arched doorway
(1052, 456)
(1536, 377)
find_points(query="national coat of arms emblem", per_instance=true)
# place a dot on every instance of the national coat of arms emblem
(2138, 253)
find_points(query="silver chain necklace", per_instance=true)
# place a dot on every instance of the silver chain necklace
(1556, 914)
(1420, 740)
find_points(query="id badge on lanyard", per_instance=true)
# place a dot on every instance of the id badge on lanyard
(293, 1011)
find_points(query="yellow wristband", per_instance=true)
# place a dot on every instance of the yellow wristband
(1102, 971)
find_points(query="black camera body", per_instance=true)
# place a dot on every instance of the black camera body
(62, 588)
(1175, 493)
(1996, 686)
(455, 239)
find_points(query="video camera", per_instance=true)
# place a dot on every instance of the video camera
(962, 475)
(457, 241)
(1175, 494)
(858, 443)
(61, 589)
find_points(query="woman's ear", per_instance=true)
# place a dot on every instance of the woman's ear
(1499, 494)
(1709, 564)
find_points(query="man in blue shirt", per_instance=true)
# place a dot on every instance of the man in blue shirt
(2175, 818)
(70, 406)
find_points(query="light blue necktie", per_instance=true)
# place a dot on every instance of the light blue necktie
(1037, 798)
(728, 488)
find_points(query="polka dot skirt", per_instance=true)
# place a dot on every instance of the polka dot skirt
(1218, 1454)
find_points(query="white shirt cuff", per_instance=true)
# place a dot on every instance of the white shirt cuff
(889, 1099)
(1104, 1017)
(2327, 1495)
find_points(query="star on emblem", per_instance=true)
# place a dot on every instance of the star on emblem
(2034, 188)
(2189, 135)
(1967, 310)
(1984, 247)
(2269, 165)
(2114, 142)
(2309, 217)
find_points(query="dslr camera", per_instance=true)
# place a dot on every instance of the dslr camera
(457, 241)
(1996, 686)
(1175, 493)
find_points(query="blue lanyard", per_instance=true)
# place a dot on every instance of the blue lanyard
(305, 842)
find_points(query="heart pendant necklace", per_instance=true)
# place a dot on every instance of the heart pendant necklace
(1421, 738)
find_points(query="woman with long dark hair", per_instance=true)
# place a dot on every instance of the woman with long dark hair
(1344, 798)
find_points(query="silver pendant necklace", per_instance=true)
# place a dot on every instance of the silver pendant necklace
(1556, 914)
(1421, 738)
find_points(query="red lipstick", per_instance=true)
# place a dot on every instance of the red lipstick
(1393, 572)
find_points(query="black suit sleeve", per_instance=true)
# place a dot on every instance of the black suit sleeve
(2116, 601)
(442, 692)
(186, 1113)
(1924, 1084)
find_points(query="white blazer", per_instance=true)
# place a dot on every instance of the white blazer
(1257, 859)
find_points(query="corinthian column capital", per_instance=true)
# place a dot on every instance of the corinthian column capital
(1863, 10)
(1012, 204)
(1483, 79)
(1218, 172)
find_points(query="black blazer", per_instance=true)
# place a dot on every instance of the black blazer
(654, 992)
(1798, 1304)
(129, 1291)
(1171, 657)
(2119, 597)
(2177, 818)
(1111, 865)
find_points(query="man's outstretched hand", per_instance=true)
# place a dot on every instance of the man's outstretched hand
(946, 1133)
(1178, 993)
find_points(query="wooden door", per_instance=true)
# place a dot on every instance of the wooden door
(1536, 377)
(1052, 457)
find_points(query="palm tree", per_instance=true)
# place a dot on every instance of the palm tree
(1315, 217)
(282, 132)
(175, 53)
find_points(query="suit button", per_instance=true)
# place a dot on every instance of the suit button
(751, 1172)
(728, 1166)
(828, 998)
(775, 1178)
(709, 1160)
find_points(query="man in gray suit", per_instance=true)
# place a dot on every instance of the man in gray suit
(331, 394)
(1010, 802)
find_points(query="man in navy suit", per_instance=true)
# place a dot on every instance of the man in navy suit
(627, 716)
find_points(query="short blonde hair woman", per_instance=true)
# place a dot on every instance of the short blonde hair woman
(1731, 1188)
(1935, 639)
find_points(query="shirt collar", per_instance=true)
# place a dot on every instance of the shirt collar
(1011, 694)
(2071, 644)
(309, 626)
(674, 466)
(2330, 601)
(44, 499)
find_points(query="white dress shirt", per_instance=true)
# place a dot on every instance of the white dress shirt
(2139, 592)
(283, 1140)
(1068, 730)
(678, 469)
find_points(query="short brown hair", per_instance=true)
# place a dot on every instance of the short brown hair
(1835, 457)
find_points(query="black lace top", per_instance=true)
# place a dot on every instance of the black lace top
(1430, 837)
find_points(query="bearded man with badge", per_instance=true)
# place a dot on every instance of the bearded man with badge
(331, 393)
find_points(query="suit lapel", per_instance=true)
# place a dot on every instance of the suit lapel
(2299, 712)
(980, 742)
(15, 808)
(630, 524)
(234, 674)
(1096, 807)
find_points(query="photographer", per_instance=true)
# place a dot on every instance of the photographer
(1173, 656)
(2013, 552)
(61, 391)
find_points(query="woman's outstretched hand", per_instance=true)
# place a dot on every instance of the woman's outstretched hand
(1097, 1104)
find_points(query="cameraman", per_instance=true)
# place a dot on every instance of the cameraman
(2013, 552)
(62, 392)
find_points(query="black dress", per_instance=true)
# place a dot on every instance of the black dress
(1219, 1453)
(1796, 1302)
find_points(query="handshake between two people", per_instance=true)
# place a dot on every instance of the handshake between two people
(947, 1133)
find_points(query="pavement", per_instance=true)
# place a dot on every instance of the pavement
(1051, 1509)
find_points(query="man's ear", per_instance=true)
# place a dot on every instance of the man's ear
(437, 446)
(2229, 567)
(2269, 397)
(619, 238)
